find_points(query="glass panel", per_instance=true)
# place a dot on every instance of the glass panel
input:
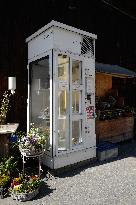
(76, 71)
(62, 129)
(40, 93)
(63, 66)
(63, 102)
(62, 119)
(76, 132)
(75, 101)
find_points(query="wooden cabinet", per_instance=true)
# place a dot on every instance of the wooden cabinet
(115, 130)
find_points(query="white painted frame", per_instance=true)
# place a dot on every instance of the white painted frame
(55, 112)
(63, 26)
(49, 53)
(55, 38)
(55, 104)
(81, 89)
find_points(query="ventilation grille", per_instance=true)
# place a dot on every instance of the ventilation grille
(87, 46)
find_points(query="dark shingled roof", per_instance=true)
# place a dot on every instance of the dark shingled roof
(114, 70)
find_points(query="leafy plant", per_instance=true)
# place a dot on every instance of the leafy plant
(8, 166)
(4, 180)
(129, 109)
(25, 184)
(4, 107)
(34, 140)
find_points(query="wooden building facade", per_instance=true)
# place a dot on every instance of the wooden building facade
(115, 115)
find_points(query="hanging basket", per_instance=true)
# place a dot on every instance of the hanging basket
(31, 152)
(25, 196)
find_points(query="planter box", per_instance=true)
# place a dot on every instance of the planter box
(106, 151)
(3, 192)
(25, 196)
(4, 187)
(29, 153)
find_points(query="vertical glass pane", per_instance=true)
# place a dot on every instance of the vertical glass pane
(76, 132)
(62, 129)
(76, 71)
(63, 102)
(63, 66)
(40, 93)
(75, 102)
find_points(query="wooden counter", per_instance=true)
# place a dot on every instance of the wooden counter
(4, 141)
(115, 130)
(5, 132)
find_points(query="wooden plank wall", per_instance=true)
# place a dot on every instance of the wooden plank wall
(103, 84)
(115, 130)
(3, 82)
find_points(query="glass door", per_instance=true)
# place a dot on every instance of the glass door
(70, 103)
(77, 103)
(40, 110)
(63, 102)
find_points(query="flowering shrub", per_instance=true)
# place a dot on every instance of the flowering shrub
(8, 167)
(4, 107)
(35, 140)
(4, 180)
(25, 184)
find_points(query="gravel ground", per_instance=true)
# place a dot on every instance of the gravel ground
(112, 183)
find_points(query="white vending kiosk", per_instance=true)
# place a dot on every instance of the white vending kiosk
(61, 92)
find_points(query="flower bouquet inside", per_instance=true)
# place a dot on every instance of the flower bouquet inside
(25, 188)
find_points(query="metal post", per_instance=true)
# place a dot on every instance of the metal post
(39, 165)
(23, 164)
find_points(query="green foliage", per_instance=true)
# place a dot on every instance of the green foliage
(35, 139)
(4, 107)
(25, 184)
(8, 166)
(129, 109)
(4, 180)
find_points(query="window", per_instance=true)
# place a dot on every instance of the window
(40, 93)
(70, 120)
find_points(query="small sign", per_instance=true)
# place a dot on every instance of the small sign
(90, 112)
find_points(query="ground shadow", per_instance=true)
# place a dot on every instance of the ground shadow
(127, 148)
(44, 191)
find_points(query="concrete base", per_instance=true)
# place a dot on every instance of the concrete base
(107, 154)
(69, 168)
(67, 159)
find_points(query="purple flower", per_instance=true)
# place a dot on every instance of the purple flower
(33, 141)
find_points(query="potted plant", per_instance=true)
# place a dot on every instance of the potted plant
(25, 187)
(4, 185)
(34, 142)
(8, 166)
(7, 170)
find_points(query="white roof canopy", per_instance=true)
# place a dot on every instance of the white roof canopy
(63, 26)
